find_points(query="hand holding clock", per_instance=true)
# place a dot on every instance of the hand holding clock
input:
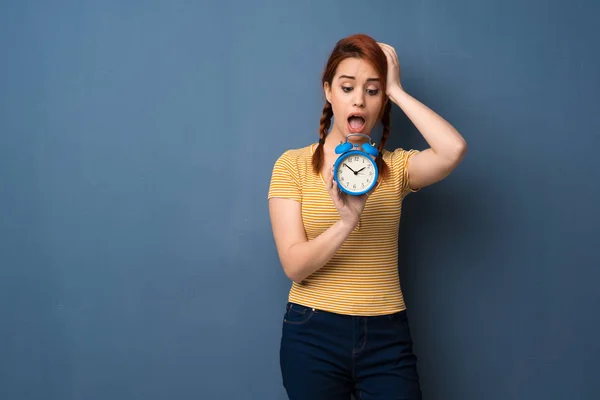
(349, 207)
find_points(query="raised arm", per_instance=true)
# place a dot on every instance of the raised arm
(447, 146)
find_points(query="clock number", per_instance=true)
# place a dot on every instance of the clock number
(355, 158)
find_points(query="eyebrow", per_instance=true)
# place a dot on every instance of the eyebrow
(351, 77)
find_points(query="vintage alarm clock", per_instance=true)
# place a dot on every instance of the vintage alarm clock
(355, 170)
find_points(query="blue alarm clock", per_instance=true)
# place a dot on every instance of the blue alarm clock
(355, 170)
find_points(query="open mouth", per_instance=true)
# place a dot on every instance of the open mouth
(356, 123)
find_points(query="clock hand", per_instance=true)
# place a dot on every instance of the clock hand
(350, 168)
(360, 170)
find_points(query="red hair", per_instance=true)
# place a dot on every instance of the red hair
(366, 48)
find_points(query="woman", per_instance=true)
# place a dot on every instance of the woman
(345, 328)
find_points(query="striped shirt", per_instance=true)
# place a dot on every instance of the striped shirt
(362, 277)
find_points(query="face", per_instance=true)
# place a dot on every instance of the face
(356, 96)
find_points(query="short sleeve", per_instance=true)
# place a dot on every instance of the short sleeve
(285, 181)
(399, 162)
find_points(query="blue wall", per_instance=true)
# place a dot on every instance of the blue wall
(136, 145)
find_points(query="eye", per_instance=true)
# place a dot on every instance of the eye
(373, 92)
(346, 89)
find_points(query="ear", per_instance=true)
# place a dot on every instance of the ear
(327, 90)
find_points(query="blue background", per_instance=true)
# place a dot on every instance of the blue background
(136, 146)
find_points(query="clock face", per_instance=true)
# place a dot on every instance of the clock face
(356, 173)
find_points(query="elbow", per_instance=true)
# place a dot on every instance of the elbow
(294, 276)
(461, 149)
(293, 273)
(453, 153)
(452, 157)
(458, 152)
(292, 265)
(297, 280)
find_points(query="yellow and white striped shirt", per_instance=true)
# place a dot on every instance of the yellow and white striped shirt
(362, 277)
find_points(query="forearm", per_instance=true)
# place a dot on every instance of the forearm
(305, 258)
(442, 137)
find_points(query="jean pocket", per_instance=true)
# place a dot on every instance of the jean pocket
(297, 314)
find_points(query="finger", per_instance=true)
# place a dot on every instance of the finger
(385, 50)
(336, 196)
(332, 186)
(330, 178)
(389, 50)
(383, 46)
(391, 56)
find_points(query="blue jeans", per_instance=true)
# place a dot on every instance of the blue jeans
(327, 356)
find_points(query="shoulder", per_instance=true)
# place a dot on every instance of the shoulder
(296, 159)
(289, 173)
(398, 158)
(295, 162)
(297, 154)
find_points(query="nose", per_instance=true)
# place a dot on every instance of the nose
(359, 99)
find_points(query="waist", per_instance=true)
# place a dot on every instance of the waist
(365, 301)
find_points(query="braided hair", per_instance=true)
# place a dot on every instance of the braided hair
(358, 46)
(323, 130)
